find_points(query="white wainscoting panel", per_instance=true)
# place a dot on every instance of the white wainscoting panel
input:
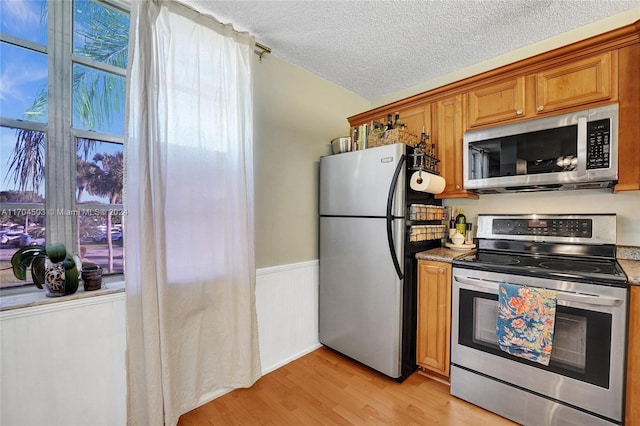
(287, 307)
(64, 363)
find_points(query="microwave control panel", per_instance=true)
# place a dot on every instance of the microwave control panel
(598, 144)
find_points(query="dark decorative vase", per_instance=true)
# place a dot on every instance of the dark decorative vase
(91, 276)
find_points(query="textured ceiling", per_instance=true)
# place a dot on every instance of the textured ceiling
(374, 48)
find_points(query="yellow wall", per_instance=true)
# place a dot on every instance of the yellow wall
(296, 114)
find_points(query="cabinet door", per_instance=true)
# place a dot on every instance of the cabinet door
(633, 360)
(448, 131)
(576, 83)
(417, 119)
(496, 102)
(628, 124)
(434, 316)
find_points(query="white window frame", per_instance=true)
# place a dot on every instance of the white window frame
(60, 161)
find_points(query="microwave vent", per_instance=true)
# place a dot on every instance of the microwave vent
(595, 185)
(540, 188)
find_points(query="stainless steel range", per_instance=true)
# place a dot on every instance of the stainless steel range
(575, 257)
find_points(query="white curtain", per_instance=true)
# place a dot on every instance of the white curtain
(189, 237)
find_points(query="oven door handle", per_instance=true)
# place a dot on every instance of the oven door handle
(590, 299)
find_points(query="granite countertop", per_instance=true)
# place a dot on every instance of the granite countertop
(441, 254)
(629, 259)
(632, 269)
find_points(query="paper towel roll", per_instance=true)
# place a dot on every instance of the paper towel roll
(427, 182)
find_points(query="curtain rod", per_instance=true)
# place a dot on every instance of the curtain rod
(264, 49)
(194, 14)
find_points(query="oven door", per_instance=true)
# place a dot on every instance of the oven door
(587, 362)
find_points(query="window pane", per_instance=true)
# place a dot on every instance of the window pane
(26, 19)
(22, 165)
(101, 239)
(18, 228)
(99, 172)
(23, 88)
(100, 33)
(98, 100)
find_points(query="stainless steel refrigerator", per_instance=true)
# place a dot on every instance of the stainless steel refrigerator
(367, 294)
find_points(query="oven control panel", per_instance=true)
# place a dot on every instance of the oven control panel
(581, 228)
(596, 228)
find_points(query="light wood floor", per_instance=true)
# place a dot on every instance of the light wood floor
(326, 388)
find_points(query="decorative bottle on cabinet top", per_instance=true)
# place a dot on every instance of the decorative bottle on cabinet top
(461, 223)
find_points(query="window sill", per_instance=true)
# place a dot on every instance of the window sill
(39, 298)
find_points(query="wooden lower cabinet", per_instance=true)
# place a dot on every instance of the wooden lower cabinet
(434, 318)
(632, 416)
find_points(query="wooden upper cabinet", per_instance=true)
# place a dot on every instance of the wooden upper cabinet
(448, 132)
(571, 85)
(416, 119)
(629, 122)
(495, 102)
(580, 82)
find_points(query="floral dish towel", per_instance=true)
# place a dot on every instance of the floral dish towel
(526, 319)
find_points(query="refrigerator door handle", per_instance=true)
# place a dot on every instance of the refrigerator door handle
(392, 192)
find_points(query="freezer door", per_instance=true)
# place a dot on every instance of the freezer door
(357, 183)
(360, 296)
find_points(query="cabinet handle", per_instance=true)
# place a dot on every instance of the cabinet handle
(457, 186)
(441, 270)
(540, 108)
(519, 112)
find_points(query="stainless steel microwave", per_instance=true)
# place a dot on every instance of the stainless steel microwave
(569, 151)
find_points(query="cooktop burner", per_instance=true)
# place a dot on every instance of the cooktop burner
(578, 266)
(499, 258)
(597, 271)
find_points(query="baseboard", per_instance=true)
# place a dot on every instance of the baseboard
(292, 358)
